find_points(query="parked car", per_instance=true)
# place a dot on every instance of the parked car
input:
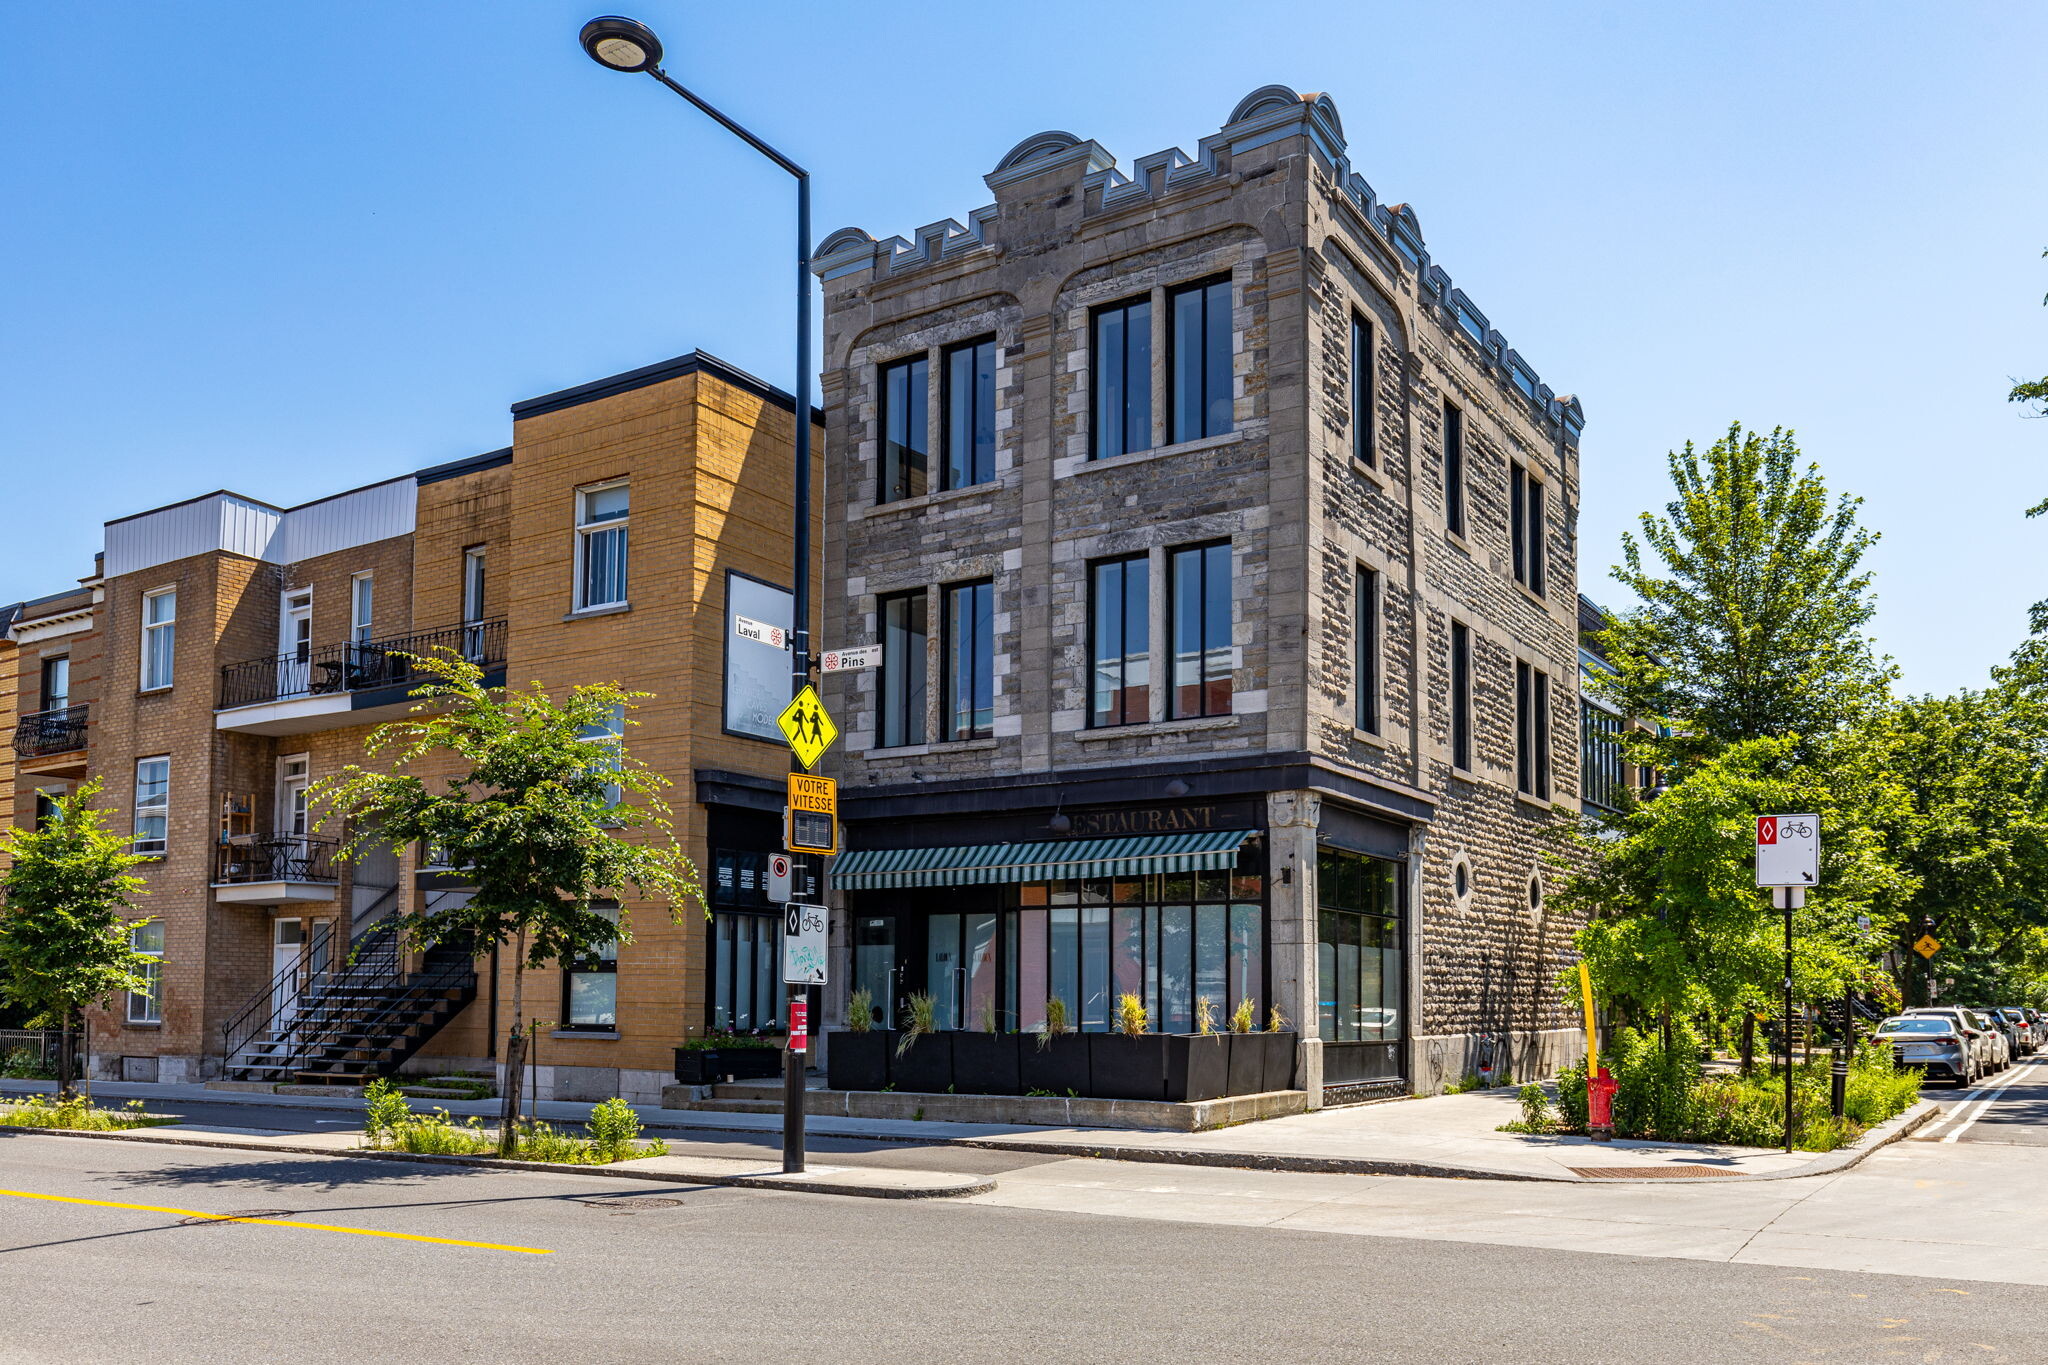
(1936, 1045)
(2024, 1029)
(1994, 1054)
(2014, 1034)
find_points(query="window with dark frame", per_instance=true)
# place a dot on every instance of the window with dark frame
(1461, 696)
(1602, 774)
(1359, 948)
(590, 985)
(902, 681)
(1361, 390)
(56, 682)
(1525, 527)
(146, 1006)
(1203, 662)
(1120, 380)
(473, 644)
(1120, 641)
(968, 660)
(1532, 731)
(1365, 625)
(1454, 470)
(1199, 368)
(969, 433)
(906, 439)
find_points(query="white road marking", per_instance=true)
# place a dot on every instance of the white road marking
(1983, 1098)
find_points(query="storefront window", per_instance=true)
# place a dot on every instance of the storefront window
(1358, 948)
(590, 986)
(745, 961)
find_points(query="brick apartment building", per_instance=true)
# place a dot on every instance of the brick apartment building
(1222, 554)
(226, 653)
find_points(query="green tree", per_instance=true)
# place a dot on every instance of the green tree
(533, 814)
(1753, 623)
(2035, 392)
(63, 942)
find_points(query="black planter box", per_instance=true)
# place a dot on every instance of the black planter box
(1126, 1066)
(927, 1067)
(1055, 1063)
(986, 1063)
(859, 1061)
(1278, 1071)
(1198, 1066)
(1247, 1064)
(701, 1066)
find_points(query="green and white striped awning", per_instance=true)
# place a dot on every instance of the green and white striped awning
(871, 869)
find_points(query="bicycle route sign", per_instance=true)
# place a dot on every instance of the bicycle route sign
(1788, 850)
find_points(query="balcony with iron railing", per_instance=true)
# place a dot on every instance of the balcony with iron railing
(274, 869)
(44, 734)
(347, 684)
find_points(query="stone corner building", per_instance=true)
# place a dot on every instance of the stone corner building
(1222, 556)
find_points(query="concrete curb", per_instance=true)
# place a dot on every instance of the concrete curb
(835, 1182)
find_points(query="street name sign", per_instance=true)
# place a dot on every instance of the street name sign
(848, 660)
(813, 824)
(760, 632)
(803, 944)
(808, 727)
(1787, 850)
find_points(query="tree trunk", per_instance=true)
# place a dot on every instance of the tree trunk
(67, 1060)
(1748, 1041)
(515, 1058)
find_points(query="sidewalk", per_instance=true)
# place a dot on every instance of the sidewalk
(1443, 1135)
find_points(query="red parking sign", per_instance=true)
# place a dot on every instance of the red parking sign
(799, 1026)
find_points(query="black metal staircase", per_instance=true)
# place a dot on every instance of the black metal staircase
(347, 1022)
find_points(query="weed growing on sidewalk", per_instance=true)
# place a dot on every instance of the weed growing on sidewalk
(78, 1113)
(390, 1125)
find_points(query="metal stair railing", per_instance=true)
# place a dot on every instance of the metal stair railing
(413, 997)
(288, 988)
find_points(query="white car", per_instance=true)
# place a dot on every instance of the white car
(1993, 1051)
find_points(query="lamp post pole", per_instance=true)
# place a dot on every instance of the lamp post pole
(627, 45)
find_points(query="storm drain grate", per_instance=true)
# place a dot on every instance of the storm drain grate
(203, 1219)
(1645, 1172)
(637, 1204)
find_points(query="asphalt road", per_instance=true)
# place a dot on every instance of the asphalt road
(2009, 1108)
(750, 1275)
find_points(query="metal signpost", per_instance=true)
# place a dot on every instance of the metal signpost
(1788, 861)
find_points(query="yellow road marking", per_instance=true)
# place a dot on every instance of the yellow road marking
(276, 1222)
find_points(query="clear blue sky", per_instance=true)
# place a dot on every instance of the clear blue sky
(289, 248)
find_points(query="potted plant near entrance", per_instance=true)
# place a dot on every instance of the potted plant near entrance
(1279, 1045)
(858, 1059)
(1129, 1063)
(1198, 1064)
(1247, 1051)
(924, 1055)
(1054, 1061)
(986, 1062)
(715, 1056)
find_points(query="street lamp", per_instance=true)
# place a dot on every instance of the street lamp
(620, 44)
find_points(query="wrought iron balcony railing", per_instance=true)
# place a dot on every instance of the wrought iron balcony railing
(358, 666)
(50, 732)
(274, 858)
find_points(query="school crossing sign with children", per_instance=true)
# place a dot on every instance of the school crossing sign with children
(808, 727)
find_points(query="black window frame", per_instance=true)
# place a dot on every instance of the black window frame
(1203, 292)
(1525, 527)
(950, 657)
(1121, 563)
(591, 966)
(1365, 661)
(948, 395)
(1363, 412)
(1461, 696)
(1454, 469)
(913, 717)
(917, 391)
(1603, 774)
(1203, 549)
(1532, 731)
(52, 664)
(1132, 416)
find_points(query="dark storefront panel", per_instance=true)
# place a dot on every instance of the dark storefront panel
(1360, 966)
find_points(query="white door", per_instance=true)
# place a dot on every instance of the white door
(295, 645)
(287, 935)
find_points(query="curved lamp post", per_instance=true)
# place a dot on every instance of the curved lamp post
(627, 45)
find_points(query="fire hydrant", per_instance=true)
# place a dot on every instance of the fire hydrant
(1600, 1106)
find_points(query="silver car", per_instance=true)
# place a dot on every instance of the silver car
(1994, 1054)
(1935, 1045)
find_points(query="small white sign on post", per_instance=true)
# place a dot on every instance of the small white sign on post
(1788, 850)
(847, 660)
(803, 944)
(778, 877)
(760, 632)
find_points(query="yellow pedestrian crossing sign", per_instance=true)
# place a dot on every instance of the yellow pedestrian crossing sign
(807, 727)
(1927, 945)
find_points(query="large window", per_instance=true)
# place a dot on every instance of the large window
(590, 985)
(1203, 659)
(1365, 637)
(159, 638)
(970, 432)
(1454, 470)
(1122, 379)
(1603, 775)
(1200, 369)
(1525, 527)
(970, 661)
(362, 605)
(1358, 948)
(607, 739)
(757, 674)
(903, 670)
(152, 804)
(56, 682)
(1120, 642)
(146, 1006)
(1532, 731)
(1361, 390)
(1461, 696)
(473, 644)
(746, 972)
(905, 428)
(601, 545)
(1172, 940)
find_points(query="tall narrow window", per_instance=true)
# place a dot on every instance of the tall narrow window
(971, 414)
(1525, 527)
(1461, 696)
(1121, 347)
(1361, 390)
(905, 436)
(1365, 621)
(362, 599)
(57, 682)
(146, 1005)
(590, 985)
(1532, 731)
(159, 637)
(473, 647)
(1454, 470)
(1200, 347)
(1202, 656)
(607, 740)
(152, 804)
(970, 661)
(1120, 642)
(903, 669)
(601, 544)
